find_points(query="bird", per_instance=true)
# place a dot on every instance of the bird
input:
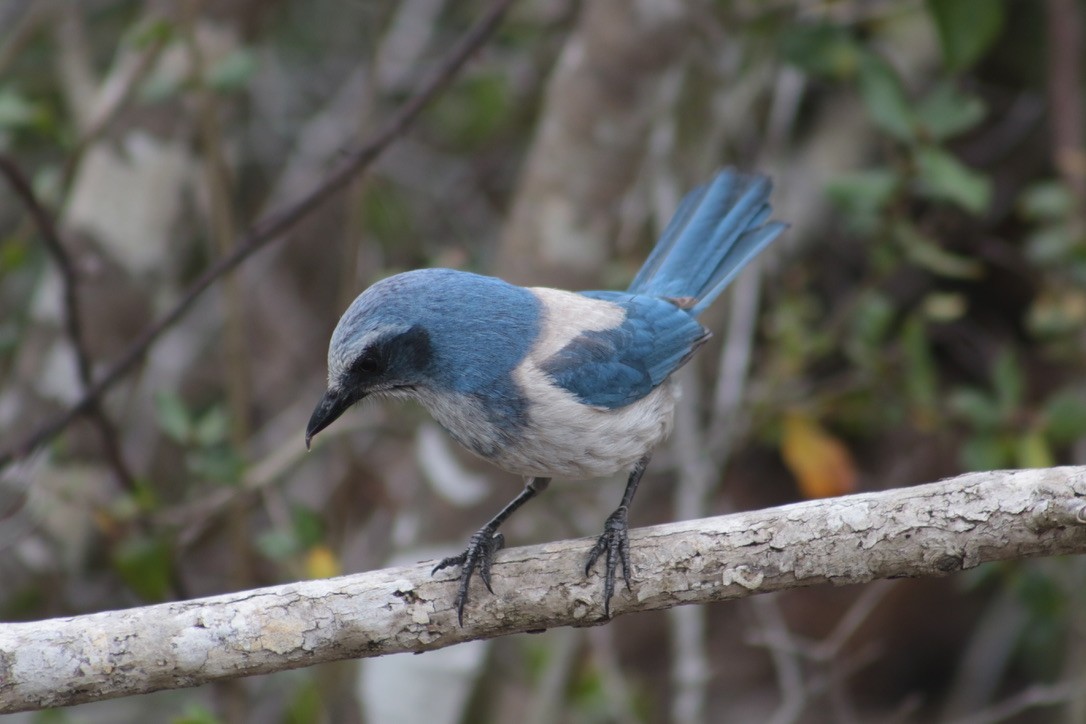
(547, 383)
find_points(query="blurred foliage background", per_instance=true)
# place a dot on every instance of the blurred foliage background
(924, 316)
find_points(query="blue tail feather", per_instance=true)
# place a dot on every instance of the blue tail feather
(716, 231)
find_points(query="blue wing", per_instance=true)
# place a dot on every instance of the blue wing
(615, 367)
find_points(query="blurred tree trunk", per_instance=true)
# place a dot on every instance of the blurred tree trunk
(590, 138)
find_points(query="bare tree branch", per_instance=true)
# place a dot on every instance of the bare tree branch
(69, 283)
(929, 530)
(273, 226)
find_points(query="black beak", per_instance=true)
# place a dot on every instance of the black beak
(332, 405)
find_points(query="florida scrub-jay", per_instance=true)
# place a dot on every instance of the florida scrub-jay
(548, 383)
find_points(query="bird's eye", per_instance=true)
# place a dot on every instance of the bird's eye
(367, 364)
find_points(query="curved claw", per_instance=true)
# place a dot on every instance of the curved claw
(482, 546)
(615, 542)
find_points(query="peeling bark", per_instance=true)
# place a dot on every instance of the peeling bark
(929, 530)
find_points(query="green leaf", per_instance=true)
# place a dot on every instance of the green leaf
(945, 178)
(386, 212)
(308, 526)
(1065, 417)
(823, 49)
(1041, 592)
(926, 252)
(50, 716)
(17, 112)
(974, 406)
(985, 452)
(306, 706)
(1007, 380)
(173, 417)
(232, 72)
(14, 254)
(1051, 245)
(966, 28)
(1033, 451)
(920, 376)
(196, 714)
(885, 98)
(474, 110)
(26, 603)
(872, 318)
(219, 464)
(945, 112)
(863, 195)
(277, 545)
(160, 87)
(1047, 200)
(144, 497)
(149, 33)
(145, 564)
(866, 192)
(212, 427)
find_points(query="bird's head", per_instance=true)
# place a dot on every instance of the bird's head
(380, 346)
(427, 332)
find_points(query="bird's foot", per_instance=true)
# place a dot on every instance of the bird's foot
(482, 546)
(615, 542)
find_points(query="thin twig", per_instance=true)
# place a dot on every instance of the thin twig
(69, 281)
(858, 614)
(272, 227)
(790, 652)
(1032, 697)
(785, 656)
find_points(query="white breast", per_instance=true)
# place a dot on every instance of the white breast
(565, 437)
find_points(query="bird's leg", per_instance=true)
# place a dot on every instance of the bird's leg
(615, 540)
(484, 543)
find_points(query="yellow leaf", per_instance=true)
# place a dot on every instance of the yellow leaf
(321, 562)
(822, 464)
